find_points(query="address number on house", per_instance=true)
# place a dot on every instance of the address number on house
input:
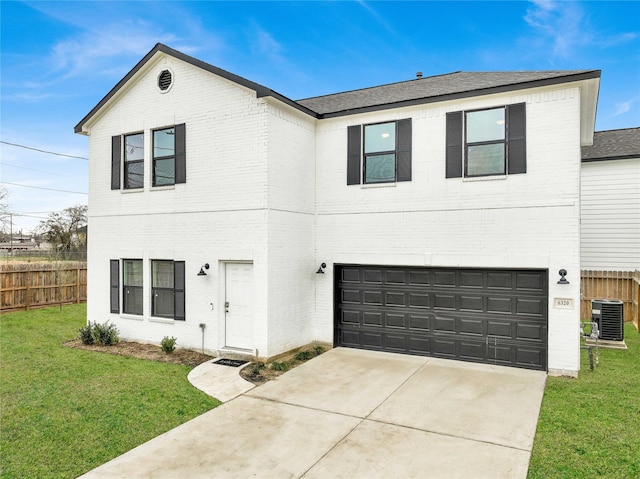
(563, 303)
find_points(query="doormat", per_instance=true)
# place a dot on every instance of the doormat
(234, 363)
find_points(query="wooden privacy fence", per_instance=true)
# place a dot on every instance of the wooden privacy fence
(613, 285)
(38, 285)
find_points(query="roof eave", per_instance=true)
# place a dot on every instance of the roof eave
(261, 91)
(588, 75)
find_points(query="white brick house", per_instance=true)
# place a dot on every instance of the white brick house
(442, 207)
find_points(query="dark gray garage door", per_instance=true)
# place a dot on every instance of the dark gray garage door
(490, 316)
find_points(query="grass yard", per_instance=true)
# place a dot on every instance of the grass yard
(590, 427)
(65, 411)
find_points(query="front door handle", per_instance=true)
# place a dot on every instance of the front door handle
(226, 307)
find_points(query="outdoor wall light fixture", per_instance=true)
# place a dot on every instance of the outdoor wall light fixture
(563, 280)
(321, 268)
(202, 269)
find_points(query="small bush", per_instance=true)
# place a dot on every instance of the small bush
(168, 344)
(279, 366)
(318, 349)
(305, 355)
(105, 334)
(86, 334)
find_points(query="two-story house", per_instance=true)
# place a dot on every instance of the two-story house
(428, 217)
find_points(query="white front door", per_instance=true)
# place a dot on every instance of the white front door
(239, 305)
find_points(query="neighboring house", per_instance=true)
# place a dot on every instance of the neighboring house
(440, 211)
(610, 204)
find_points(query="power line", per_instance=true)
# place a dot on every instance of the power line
(33, 169)
(43, 188)
(44, 151)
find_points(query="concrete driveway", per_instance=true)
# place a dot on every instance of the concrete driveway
(357, 414)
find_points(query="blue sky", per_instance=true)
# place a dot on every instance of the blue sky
(58, 59)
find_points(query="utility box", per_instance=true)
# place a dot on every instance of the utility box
(610, 318)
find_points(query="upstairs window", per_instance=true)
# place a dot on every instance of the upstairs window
(168, 158)
(486, 142)
(383, 155)
(164, 157)
(380, 153)
(134, 161)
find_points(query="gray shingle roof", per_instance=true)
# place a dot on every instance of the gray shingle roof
(412, 92)
(613, 145)
(437, 88)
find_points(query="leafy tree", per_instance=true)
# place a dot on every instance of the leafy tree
(66, 230)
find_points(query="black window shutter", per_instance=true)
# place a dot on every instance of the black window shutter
(181, 157)
(115, 285)
(454, 145)
(353, 155)
(178, 290)
(116, 154)
(516, 139)
(403, 160)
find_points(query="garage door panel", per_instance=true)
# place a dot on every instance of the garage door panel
(392, 276)
(527, 357)
(419, 300)
(444, 347)
(442, 301)
(472, 326)
(419, 345)
(530, 331)
(350, 275)
(419, 323)
(444, 278)
(347, 316)
(472, 351)
(530, 281)
(350, 296)
(397, 321)
(493, 316)
(444, 324)
(471, 303)
(395, 343)
(372, 318)
(395, 299)
(499, 305)
(500, 329)
(372, 340)
(372, 276)
(499, 280)
(419, 278)
(527, 306)
(350, 338)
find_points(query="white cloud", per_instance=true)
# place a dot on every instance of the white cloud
(624, 106)
(560, 23)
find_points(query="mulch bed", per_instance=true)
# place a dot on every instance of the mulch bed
(145, 351)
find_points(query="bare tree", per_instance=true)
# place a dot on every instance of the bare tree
(66, 230)
(5, 216)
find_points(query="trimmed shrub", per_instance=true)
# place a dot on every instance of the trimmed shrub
(168, 344)
(104, 334)
(86, 334)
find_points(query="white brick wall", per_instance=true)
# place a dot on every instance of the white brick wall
(522, 221)
(267, 184)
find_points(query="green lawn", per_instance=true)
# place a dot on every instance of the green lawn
(66, 411)
(590, 427)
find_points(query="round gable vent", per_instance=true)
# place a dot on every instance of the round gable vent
(164, 80)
